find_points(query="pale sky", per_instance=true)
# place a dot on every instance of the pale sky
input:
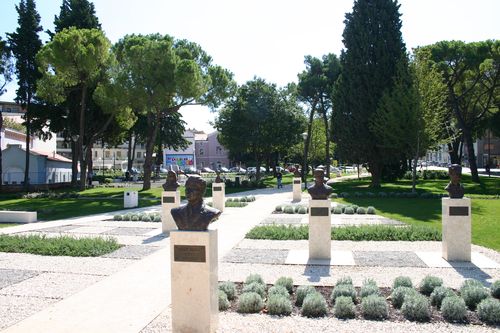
(267, 38)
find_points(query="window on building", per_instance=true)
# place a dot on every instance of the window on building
(107, 154)
(202, 152)
(95, 153)
(138, 155)
(119, 154)
(218, 150)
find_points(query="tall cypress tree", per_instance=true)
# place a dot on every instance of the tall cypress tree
(373, 49)
(25, 44)
(76, 13)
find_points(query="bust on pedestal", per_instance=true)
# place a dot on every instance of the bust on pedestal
(170, 198)
(194, 260)
(297, 184)
(218, 193)
(319, 218)
(456, 219)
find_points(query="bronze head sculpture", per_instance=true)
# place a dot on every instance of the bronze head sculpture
(454, 188)
(218, 179)
(171, 183)
(194, 216)
(319, 190)
(296, 172)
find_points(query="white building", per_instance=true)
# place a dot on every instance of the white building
(181, 159)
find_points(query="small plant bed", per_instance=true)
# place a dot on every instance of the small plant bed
(400, 303)
(239, 201)
(138, 217)
(291, 209)
(338, 209)
(355, 233)
(58, 246)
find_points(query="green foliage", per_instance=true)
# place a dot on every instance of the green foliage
(6, 71)
(117, 217)
(428, 284)
(374, 307)
(349, 210)
(344, 280)
(416, 308)
(256, 288)
(229, 288)
(278, 208)
(302, 210)
(223, 301)
(279, 305)
(337, 210)
(344, 307)
(489, 311)
(279, 290)
(286, 282)
(314, 305)
(473, 295)
(76, 13)
(58, 246)
(134, 218)
(254, 278)
(343, 290)
(402, 281)
(439, 294)
(470, 283)
(145, 218)
(361, 210)
(235, 204)
(495, 289)
(399, 293)
(250, 302)
(453, 308)
(302, 292)
(289, 210)
(368, 289)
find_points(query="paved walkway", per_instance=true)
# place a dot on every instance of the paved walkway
(129, 289)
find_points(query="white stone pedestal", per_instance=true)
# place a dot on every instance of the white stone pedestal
(297, 189)
(456, 224)
(219, 195)
(320, 242)
(130, 199)
(169, 200)
(194, 275)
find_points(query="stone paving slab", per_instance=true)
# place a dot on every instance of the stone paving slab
(12, 276)
(90, 230)
(16, 308)
(387, 259)
(256, 256)
(51, 285)
(128, 231)
(435, 259)
(132, 252)
(63, 228)
(337, 258)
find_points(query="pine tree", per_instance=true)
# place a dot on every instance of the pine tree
(25, 44)
(76, 13)
(373, 49)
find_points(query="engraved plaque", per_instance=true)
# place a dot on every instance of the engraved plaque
(168, 199)
(189, 253)
(296, 181)
(319, 211)
(459, 211)
(217, 189)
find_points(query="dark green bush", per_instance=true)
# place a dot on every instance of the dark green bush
(470, 283)
(453, 308)
(489, 311)
(254, 278)
(337, 210)
(117, 217)
(302, 210)
(344, 307)
(223, 301)
(495, 289)
(229, 288)
(402, 281)
(278, 208)
(302, 292)
(235, 204)
(370, 210)
(439, 294)
(369, 289)
(428, 284)
(343, 290)
(289, 210)
(314, 305)
(286, 282)
(361, 210)
(349, 211)
(374, 307)
(344, 280)
(256, 288)
(399, 293)
(473, 295)
(278, 290)
(416, 308)
(279, 305)
(250, 303)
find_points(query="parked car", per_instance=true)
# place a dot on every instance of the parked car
(189, 170)
(254, 169)
(207, 169)
(223, 169)
(238, 170)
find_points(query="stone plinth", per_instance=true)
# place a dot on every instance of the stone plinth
(194, 275)
(297, 189)
(169, 200)
(456, 224)
(130, 199)
(218, 196)
(11, 216)
(320, 243)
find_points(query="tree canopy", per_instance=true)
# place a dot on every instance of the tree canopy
(76, 13)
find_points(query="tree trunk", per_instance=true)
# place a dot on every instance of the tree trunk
(27, 160)
(90, 162)
(327, 146)
(471, 156)
(375, 168)
(455, 151)
(83, 174)
(74, 163)
(129, 157)
(308, 140)
(414, 167)
(150, 140)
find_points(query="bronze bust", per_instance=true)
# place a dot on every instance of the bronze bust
(319, 191)
(171, 183)
(454, 188)
(194, 216)
(218, 179)
(296, 172)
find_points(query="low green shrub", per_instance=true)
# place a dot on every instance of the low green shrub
(473, 295)
(126, 217)
(145, 218)
(369, 289)
(399, 293)
(489, 311)
(354, 208)
(279, 305)
(278, 208)
(428, 284)
(337, 210)
(370, 210)
(470, 283)
(235, 204)
(314, 305)
(439, 294)
(254, 278)
(250, 303)
(344, 307)
(495, 289)
(256, 288)
(117, 217)
(374, 307)
(416, 308)
(453, 308)
(134, 218)
(344, 280)
(286, 282)
(229, 288)
(343, 290)
(402, 281)
(223, 301)
(278, 290)
(302, 292)
(157, 218)
(289, 210)
(302, 210)
(349, 210)
(361, 210)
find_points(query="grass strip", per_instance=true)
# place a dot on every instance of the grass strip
(354, 233)
(58, 246)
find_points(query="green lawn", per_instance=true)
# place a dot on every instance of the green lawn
(5, 225)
